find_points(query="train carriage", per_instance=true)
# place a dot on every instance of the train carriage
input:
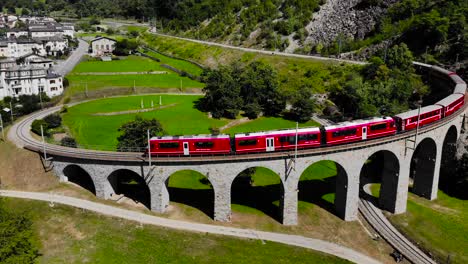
(190, 145)
(460, 88)
(451, 104)
(277, 140)
(409, 120)
(359, 130)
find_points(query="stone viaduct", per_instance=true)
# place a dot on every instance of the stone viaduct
(401, 159)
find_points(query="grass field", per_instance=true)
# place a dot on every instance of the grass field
(178, 118)
(70, 235)
(178, 64)
(267, 123)
(127, 64)
(78, 79)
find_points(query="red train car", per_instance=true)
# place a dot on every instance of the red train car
(409, 120)
(190, 145)
(451, 104)
(277, 140)
(360, 130)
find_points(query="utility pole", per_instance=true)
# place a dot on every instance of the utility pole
(295, 149)
(160, 100)
(43, 143)
(40, 97)
(134, 86)
(86, 89)
(417, 127)
(11, 112)
(149, 150)
(1, 126)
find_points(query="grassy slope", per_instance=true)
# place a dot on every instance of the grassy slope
(179, 64)
(267, 123)
(292, 71)
(70, 235)
(440, 226)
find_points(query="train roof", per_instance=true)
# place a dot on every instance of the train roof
(442, 70)
(278, 132)
(457, 79)
(449, 99)
(222, 136)
(413, 113)
(360, 122)
(460, 88)
(422, 64)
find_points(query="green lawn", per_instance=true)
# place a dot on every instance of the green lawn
(178, 118)
(69, 235)
(178, 64)
(101, 131)
(126, 64)
(440, 226)
(267, 123)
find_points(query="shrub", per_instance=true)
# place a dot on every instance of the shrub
(68, 142)
(66, 100)
(64, 109)
(53, 120)
(36, 127)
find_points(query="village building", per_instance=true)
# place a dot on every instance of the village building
(102, 46)
(16, 80)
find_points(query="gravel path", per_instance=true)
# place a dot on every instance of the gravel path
(294, 240)
(64, 67)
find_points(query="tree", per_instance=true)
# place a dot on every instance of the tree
(53, 120)
(303, 106)
(17, 238)
(36, 127)
(134, 133)
(221, 93)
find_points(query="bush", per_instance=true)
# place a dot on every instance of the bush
(53, 120)
(68, 142)
(36, 127)
(66, 82)
(64, 109)
(66, 100)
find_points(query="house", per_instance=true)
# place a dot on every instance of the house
(15, 48)
(102, 46)
(17, 32)
(16, 80)
(35, 60)
(68, 30)
(39, 29)
(53, 45)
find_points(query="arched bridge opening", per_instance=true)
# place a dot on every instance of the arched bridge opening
(131, 185)
(79, 176)
(323, 183)
(448, 167)
(422, 169)
(192, 188)
(379, 179)
(257, 189)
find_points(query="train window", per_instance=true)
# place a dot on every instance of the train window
(307, 137)
(166, 145)
(378, 127)
(290, 139)
(248, 142)
(344, 133)
(204, 144)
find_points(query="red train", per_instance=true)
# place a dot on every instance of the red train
(342, 133)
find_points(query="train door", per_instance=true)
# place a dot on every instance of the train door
(186, 148)
(270, 144)
(364, 133)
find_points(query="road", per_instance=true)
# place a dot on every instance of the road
(66, 66)
(262, 51)
(293, 240)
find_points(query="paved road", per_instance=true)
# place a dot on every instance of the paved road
(262, 51)
(294, 240)
(66, 66)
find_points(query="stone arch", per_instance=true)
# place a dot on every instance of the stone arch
(422, 168)
(259, 187)
(192, 188)
(448, 161)
(381, 167)
(80, 176)
(325, 183)
(132, 185)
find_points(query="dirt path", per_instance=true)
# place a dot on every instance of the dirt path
(134, 111)
(294, 240)
(235, 123)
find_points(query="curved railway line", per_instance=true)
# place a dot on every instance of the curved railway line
(21, 135)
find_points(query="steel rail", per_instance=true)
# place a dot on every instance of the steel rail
(379, 222)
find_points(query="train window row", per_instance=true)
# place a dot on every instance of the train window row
(205, 144)
(168, 145)
(378, 127)
(424, 116)
(292, 139)
(248, 142)
(344, 133)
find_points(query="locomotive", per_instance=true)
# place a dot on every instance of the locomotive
(343, 133)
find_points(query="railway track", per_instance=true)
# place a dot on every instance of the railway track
(380, 223)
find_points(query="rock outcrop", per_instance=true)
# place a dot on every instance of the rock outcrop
(350, 18)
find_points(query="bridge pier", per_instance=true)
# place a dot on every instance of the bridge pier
(289, 203)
